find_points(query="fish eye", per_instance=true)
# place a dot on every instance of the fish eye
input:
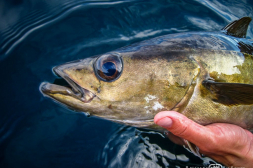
(108, 67)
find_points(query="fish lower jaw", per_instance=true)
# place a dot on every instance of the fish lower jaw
(52, 90)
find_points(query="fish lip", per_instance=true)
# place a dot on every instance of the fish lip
(76, 91)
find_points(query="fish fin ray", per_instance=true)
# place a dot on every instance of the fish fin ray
(192, 148)
(245, 48)
(238, 28)
(230, 93)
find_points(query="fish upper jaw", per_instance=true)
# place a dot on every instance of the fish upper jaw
(72, 89)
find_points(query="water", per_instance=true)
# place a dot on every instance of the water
(36, 35)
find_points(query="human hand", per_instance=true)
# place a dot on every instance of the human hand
(228, 144)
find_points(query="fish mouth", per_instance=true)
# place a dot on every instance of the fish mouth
(65, 86)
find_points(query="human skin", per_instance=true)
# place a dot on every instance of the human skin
(228, 144)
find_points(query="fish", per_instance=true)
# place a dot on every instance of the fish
(206, 76)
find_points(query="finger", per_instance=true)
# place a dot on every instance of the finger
(183, 127)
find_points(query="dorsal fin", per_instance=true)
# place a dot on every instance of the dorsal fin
(238, 28)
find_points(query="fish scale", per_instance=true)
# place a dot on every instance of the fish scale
(204, 75)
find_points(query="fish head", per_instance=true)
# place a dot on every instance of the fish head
(125, 87)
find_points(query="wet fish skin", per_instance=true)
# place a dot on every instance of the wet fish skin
(183, 72)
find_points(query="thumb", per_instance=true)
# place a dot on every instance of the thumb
(183, 127)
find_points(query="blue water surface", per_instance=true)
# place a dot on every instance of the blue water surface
(36, 35)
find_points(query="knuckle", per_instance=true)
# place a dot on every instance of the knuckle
(182, 131)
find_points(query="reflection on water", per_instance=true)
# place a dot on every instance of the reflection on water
(20, 18)
(36, 35)
(130, 147)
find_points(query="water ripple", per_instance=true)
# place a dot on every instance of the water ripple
(35, 19)
(130, 147)
(8, 127)
(26, 17)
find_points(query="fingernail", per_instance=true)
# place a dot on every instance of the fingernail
(165, 122)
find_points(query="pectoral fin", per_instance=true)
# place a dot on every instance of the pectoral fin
(238, 28)
(192, 148)
(230, 93)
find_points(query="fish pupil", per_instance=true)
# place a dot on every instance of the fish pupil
(109, 68)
